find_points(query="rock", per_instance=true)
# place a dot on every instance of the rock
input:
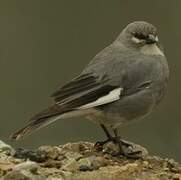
(71, 165)
(51, 152)
(22, 175)
(98, 162)
(73, 155)
(25, 171)
(82, 161)
(5, 148)
(80, 147)
(33, 155)
(85, 164)
(28, 165)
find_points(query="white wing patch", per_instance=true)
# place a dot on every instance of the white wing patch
(113, 95)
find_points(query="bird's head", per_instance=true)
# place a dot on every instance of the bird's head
(141, 35)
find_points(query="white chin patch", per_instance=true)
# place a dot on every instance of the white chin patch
(151, 49)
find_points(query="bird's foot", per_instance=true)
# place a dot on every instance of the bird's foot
(125, 148)
(130, 155)
(126, 144)
(116, 140)
(99, 144)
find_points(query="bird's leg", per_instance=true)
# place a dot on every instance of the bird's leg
(109, 137)
(119, 140)
(133, 155)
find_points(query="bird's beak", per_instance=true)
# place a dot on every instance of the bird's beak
(152, 39)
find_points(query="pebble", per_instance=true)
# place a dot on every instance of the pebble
(73, 155)
(28, 165)
(85, 164)
(33, 155)
(5, 148)
(51, 152)
(71, 165)
(22, 175)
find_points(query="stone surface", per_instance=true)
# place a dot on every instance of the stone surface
(84, 161)
(5, 148)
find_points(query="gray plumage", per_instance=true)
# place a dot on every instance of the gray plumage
(123, 82)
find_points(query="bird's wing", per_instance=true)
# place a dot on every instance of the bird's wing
(86, 91)
(83, 92)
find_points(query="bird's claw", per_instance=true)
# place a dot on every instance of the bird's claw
(130, 155)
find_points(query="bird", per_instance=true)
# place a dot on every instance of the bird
(124, 82)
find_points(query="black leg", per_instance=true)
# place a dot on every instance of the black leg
(109, 137)
(106, 131)
(118, 140)
(115, 139)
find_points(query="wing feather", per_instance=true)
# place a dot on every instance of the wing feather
(81, 93)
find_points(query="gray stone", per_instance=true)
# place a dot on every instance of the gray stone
(22, 175)
(71, 165)
(28, 165)
(5, 148)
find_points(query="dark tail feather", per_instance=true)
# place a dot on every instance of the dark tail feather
(38, 121)
(31, 127)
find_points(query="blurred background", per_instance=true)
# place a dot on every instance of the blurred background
(44, 43)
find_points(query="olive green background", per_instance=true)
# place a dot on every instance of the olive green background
(43, 44)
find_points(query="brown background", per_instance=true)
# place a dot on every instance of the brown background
(45, 43)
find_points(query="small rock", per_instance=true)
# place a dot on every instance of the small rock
(22, 175)
(6, 166)
(28, 165)
(33, 155)
(176, 177)
(52, 163)
(5, 148)
(16, 175)
(85, 168)
(73, 155)
(55, 177)
(85, 161)
(129, 167)
(66, 175)
(51, 152)
(74, 147)
(98, 162)
(85, 164)
(71, 165)
(145, 163)
(77, 147)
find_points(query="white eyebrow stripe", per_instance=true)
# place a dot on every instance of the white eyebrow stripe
(136, 40)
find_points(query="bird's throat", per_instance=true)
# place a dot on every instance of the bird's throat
(151, 49)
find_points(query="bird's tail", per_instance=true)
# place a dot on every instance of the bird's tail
(40, 120)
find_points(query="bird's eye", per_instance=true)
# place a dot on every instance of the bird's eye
(140, 36)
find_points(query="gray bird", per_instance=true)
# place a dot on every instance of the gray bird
(122, 83)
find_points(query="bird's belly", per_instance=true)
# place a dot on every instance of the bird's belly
(126, 109)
